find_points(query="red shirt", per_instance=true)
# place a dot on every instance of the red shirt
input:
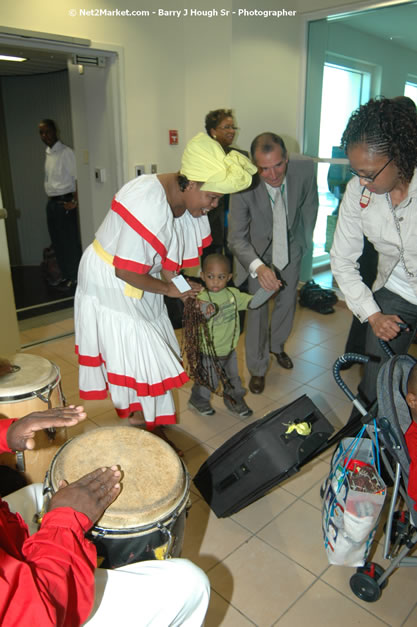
(46, 579)
(411, 441)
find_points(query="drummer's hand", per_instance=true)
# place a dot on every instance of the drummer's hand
(91, 495)
(385, 326)
(20, 435)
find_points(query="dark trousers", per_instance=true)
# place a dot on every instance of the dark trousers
(64, 234)
(368, 263)
(389, 303)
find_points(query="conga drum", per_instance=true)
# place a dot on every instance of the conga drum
(147, 519)
(35, 385)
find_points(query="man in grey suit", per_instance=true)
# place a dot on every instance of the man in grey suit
(272, 224)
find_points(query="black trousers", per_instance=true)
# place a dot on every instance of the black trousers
(64, 234)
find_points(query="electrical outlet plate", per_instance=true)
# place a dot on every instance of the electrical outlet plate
(154, 168)
(139, 169)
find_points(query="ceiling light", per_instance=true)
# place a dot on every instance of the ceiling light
(5, 57)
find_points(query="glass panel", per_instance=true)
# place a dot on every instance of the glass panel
(410, 91)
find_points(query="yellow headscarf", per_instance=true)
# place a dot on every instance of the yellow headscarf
(205, 160)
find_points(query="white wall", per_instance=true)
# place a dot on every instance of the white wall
(176, 70)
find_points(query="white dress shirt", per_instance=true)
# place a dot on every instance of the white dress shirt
(60, 170)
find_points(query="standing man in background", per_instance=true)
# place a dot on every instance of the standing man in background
(61, 209)
(272, 224)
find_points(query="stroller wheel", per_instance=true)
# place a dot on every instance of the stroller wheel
(364, 582)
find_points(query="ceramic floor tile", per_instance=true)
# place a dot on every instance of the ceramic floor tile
(93, 408)
(326, 383)
(401, 586)
(303, 371)
(204, 427)
(259, 581)
(321, 606)
(196, 456)
(297, 344)
(311, 474)
(208, 539)
(411, 621)
(278, 385)
(43, 333)
(262, 511)
(220, 612)
(321, 356)
(107, 419)
(297, 533)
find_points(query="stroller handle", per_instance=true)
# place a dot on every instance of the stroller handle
(347, 358)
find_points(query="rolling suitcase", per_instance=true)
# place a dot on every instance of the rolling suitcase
(260, 456)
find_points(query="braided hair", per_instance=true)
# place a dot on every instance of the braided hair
(387, 128)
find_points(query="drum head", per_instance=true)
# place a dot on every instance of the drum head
(35, 374)
(153, 478)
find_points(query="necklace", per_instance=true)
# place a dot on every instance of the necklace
(398, 228)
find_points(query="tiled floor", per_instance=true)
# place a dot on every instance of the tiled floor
(266, 564)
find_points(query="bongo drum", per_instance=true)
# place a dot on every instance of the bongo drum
(147, 519)
(35, 385)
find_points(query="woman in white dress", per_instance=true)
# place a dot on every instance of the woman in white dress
(157, 225)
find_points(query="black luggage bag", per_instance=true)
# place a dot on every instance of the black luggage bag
(260, 456)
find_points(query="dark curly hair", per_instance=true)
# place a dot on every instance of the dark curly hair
(387, 128)
(183, 181)
(216, 117)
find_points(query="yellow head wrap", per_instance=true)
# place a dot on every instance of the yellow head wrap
(205, 160)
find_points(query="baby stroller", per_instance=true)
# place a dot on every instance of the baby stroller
(386, 425)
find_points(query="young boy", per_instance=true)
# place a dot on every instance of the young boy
(224, 329)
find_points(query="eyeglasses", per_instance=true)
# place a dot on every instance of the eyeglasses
(228, 127)
(370, 179)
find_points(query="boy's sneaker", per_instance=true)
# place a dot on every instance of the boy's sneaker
(202, 407)
(238, 408)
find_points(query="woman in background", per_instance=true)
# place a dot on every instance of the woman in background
(380, 202)
(221, 126)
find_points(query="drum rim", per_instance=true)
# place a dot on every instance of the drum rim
(34, 393)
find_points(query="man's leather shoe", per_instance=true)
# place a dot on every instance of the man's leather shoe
(284, 360)
(257, 384)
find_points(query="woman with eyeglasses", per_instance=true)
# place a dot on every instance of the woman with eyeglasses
(220, 125)
(380, 202)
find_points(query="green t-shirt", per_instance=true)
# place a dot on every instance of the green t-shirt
(221, 326)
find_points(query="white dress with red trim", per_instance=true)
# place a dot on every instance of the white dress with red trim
(126, 345)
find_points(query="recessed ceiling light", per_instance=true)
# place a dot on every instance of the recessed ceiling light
(5, 57)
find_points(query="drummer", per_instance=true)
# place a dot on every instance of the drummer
(49, 578)
(157, 225)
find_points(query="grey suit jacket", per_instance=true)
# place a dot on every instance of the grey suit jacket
(250, 216)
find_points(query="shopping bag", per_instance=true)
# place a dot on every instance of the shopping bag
(354, 496)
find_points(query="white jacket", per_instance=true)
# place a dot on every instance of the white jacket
(377, 223)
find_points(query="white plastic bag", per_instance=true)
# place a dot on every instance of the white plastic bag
(351, 512)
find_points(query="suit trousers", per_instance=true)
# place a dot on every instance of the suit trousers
(229, 363)
(389, 303)
(263, 335)
(65, 238)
